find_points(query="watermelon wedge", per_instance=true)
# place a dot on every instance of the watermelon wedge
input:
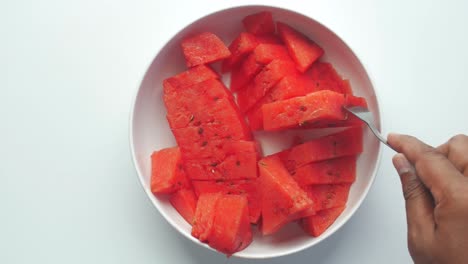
(259, 23)
(327, 196)
(302, 49)
(204, 48)
(167, 171)
(289, 200)
(344, 143)
(231, 230)
(240, 46)
(315, 225)
(333, 171)
(191, 77)
(185, 202)
(263, 82)
(202, 225)
(314, 108)
(247, 187)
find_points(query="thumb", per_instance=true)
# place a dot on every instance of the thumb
(419, 201)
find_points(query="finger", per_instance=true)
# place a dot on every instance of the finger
(418, 200)
(456, 150)
(436, 172)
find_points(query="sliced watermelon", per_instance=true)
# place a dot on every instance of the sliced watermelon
(204, 48)
(202, 225)
(167, 171)
(269, 39)
(306, 110)
(262, 55)
(266, 53)
(282, 200)
(241, 46)
(325, 77)
(327, 196)
(333, 171)
(344, 143)
(288, 87)
(231, 230)
(315, 225)
(259, 23)
(246, 187)
(188, 108)
(191, 77)
(242, 75)
(185, 202)
(303, 50)
(263, 82)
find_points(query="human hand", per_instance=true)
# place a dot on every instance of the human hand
(435, 187)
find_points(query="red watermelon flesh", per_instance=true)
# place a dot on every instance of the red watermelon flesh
(191, 77)
(266, 53)
(202, 225)
(344, 143)
(282, 200)
(326, 78)
(259, 23)
(332, 171)
(241, 46)
(269, 39)
(327, 196)
(231, 230)
(204, 48)
(315, 225)
(167, 171)
(305, 110)
(242, 75)
(245, 187)
(303, 50)
(288, 87)
(232, 167)
(185, 202)
(188, 108)
(263, 82)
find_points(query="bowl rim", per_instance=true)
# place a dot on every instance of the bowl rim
(152, 198)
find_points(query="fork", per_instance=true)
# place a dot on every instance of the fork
(366, 116)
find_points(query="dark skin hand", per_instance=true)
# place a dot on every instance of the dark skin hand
(435, 187)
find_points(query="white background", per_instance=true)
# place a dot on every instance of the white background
(69, 71)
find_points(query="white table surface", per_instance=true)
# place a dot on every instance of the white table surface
(68, 73)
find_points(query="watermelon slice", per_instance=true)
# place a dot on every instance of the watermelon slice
(242, 75)
(167, 171)
(303, 50)
(333, 171)
(185, 202)
(269, 39)
(245, 187)
(344, 143)
(288, 87)
(204, 48)
(325, 77)
(202, 225)
(315, 225)
(322, 106)
(231, 230)
(241, 46)
(289, 200)
(263, 82)
(191, 77)
(262, 55)
(188, 108)
(327, 196)
(259, 23)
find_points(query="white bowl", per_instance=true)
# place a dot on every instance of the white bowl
(150, 131)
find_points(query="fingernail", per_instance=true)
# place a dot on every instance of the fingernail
(402, 165)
